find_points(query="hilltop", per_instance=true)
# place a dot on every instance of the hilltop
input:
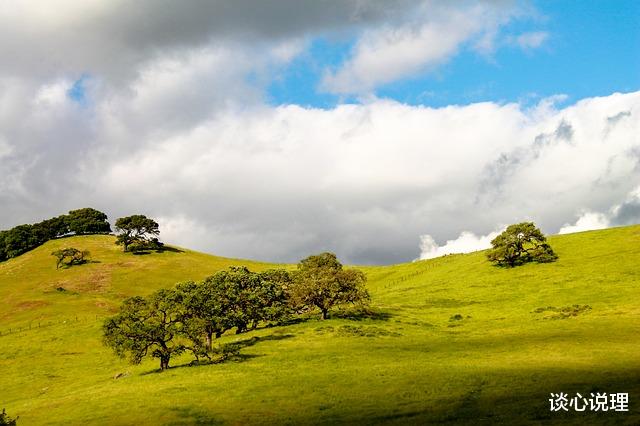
(452, 339)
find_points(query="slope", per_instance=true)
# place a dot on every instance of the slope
(454, 339)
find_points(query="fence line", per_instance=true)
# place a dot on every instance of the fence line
(46, 323)
(420, 271)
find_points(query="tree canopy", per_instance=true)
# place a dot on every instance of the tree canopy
(521, 243)
(70, 256)
(322, 282)
(22, 238)
(190, 316)
(150, 326)
(137, 232)
(88, 221)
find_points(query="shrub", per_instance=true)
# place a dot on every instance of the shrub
(5, 420)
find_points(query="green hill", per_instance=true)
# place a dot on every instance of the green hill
(454, 340)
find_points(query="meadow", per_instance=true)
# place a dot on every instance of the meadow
(451, 340)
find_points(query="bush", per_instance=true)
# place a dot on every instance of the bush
(5, 420)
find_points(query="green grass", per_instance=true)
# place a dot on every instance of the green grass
(412, 363)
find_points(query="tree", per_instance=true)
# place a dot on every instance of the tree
(236, 298)
(19, 239)
(51, 228)
(207, 308)
(322, 282)
(3, 249)
(272, 295)
(136, 232)
(70, 256)
(88, 221)
(145, 327)
(520, 243)
(22, 238)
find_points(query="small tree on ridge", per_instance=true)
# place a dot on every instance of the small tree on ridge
(137, 230)
(521, 243)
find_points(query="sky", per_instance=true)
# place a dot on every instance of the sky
(382, 130)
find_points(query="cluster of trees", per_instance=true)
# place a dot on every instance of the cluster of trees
(191, 315)
(135, 233)
(519, 244)
(22, 238)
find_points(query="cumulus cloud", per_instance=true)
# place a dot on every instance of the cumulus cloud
(277, 183)
(438, 30)
(586, 222)
(467, 242)
(625, 213)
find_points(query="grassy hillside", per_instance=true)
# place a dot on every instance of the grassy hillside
(414, 362)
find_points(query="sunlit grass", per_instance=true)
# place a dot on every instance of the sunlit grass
(413, 363)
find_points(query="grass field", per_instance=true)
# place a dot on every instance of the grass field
(455, 340)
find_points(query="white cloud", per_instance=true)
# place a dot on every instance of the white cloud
(529, 40)
(280, 183)
(586, 222)
(626, 212)
(391, 52)
(53, 94)
(467, 242)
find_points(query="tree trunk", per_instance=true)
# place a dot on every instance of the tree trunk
(241, 327)
(209, 343)
(164, 362)
(325, 313)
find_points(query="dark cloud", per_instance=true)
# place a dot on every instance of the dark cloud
(628, 213)
(110, 38)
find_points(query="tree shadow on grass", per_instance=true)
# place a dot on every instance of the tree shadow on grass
(194, 416)
(361, 314)
(162, 249)
(229, 352)
(299, 319)
(530, 406)
(65, 266)
(169, 249)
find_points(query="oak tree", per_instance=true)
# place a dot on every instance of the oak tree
(520, 243)
(148, 327)
(322, 282)
(137, 232)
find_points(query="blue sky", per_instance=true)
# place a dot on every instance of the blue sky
(592, 48)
